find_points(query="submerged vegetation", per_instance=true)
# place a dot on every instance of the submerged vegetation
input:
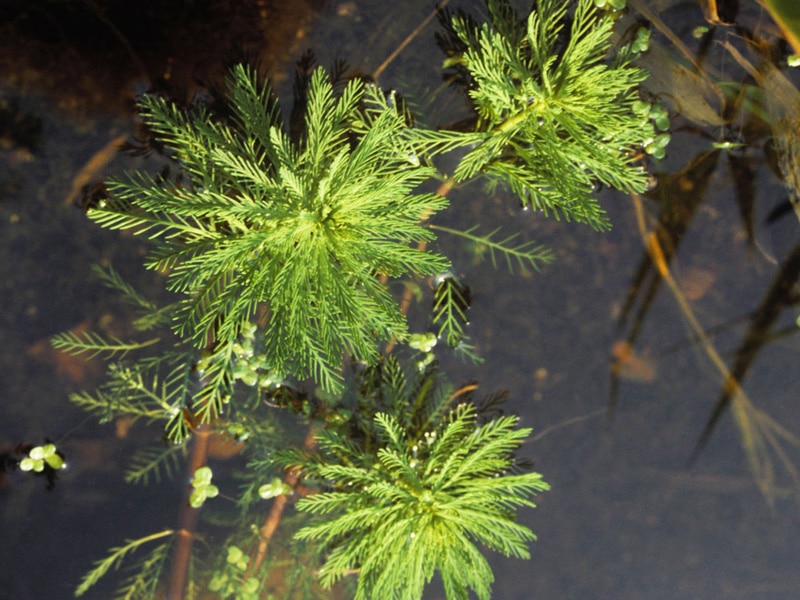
(414, 488)
(307, 226)
(556, 115)
(282, 244)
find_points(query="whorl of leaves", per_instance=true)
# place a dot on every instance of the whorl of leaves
(305, 228)
(410, 503)
(555, 108)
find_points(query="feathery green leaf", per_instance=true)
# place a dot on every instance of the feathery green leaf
(305, 229)
(417, 502)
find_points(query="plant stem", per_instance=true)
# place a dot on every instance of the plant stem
(187, 519)
(513, 122)
(276, 512)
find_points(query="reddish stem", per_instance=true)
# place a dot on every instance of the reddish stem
(276, 512)
(187, 520)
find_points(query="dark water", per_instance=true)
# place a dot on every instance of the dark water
(627, 517)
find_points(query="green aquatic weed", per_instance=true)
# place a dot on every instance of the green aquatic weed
(39, 456)
(202, 488)
(304, 226)
(555, 106)
(282, 243)
(231, 581)
(414, 491)
(276, 487)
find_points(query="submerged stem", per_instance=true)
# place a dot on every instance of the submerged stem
(187, 520)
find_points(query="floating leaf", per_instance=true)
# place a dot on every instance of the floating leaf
(203, 488)
(274, 488)
(41, 455)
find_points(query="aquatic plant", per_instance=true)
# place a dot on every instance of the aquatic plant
(280, 245)
(407, 503)
(307, 228)
(556, 114)
(40, 457)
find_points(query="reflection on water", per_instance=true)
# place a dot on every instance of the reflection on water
(627, 517)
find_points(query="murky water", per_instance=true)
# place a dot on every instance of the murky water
(628, 516)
